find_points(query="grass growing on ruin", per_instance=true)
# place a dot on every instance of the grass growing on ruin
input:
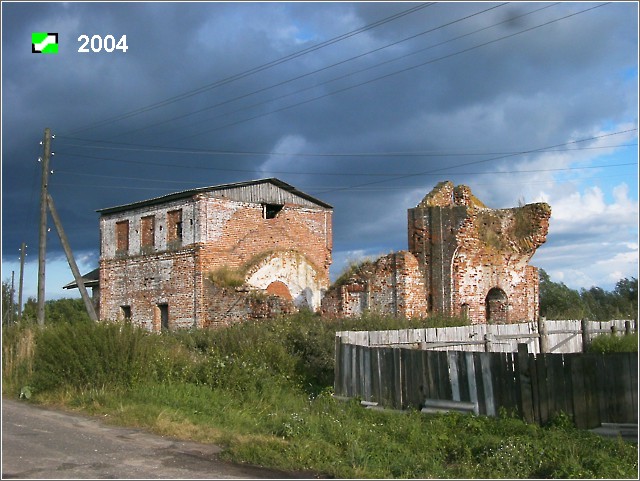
(261, 390)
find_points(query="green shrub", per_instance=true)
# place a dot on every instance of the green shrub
(606, 343)
(85, 355)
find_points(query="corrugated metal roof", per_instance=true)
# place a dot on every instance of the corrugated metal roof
(222, 187)
(91, 279)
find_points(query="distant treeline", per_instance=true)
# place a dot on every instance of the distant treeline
(557, 301)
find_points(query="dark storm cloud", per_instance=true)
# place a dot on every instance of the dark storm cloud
(574, 77)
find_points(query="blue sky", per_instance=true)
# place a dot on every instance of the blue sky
(521, 102)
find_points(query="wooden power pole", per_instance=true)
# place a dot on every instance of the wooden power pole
(88, 304)
(46, 147)
(20, 282)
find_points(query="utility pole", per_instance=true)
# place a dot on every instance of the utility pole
(11, 320)
(20, 283)
(46, 147)
(88, 304)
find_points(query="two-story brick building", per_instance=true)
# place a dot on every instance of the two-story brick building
(158, 256)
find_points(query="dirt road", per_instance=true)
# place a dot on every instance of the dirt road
(42, 443)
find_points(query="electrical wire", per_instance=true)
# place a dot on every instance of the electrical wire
(174, 150)
(540, 150)
(284, 82)
(388, 75)
(253, 70)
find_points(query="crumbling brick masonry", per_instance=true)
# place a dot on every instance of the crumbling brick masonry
(159, 257)
(470, 261)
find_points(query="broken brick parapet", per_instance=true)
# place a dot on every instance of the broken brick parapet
(391, 285)
(466, 260)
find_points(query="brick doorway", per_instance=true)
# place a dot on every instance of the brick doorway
(496, 304)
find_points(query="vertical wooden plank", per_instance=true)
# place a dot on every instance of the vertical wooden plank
(463, 377)
(387, 378)
(346, 369)
(452, 362)
(633, 377)
(508, 387)
(415, 388)
(535, 390)
(568, 383)
(375, 375)
(623, 387)
(471, 377)
(524, 383)
(479, 381)
(591, 390)
(487, 367)
(431, 371)
(354, 382)
(397, 381)
(337, 366)
(498, 379)
(367, 394)
(543, 388)
(444, 384)
(578, 394)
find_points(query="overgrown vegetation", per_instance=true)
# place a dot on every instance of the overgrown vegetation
(607, 343)
(262, 390)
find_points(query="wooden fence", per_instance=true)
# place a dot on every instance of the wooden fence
(591, 388)
(542, 336)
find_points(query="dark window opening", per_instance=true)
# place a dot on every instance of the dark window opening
(126, 312)
(270, 211)
(164, 316)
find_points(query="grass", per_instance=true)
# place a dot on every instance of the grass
(261, 390)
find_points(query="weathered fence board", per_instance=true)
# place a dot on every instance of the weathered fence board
(564, 336)
(591, 388)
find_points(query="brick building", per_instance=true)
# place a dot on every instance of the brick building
(464, 259)
(166, 262)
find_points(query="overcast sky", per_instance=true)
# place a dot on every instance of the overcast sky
(366, 106)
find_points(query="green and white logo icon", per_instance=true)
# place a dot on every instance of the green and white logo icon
(42, 42)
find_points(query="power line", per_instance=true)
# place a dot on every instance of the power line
(375, 79)
(159, 149)
(254, 70)
(340, 174)
(284, 82)
(386, 75)
(359, 189)
(540, 150)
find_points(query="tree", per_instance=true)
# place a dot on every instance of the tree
(59, 310)
(557, 301)
(7, 303)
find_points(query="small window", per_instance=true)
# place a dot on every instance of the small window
(122, 237)
(126, 312)
(147, 228)
(164, 316)
(270, 211)
(174, 226)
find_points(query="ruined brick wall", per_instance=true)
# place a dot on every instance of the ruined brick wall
(235, 232)
(474, 259)
(294, 247)
(393, 285)
(227, 305)
(144, 283)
